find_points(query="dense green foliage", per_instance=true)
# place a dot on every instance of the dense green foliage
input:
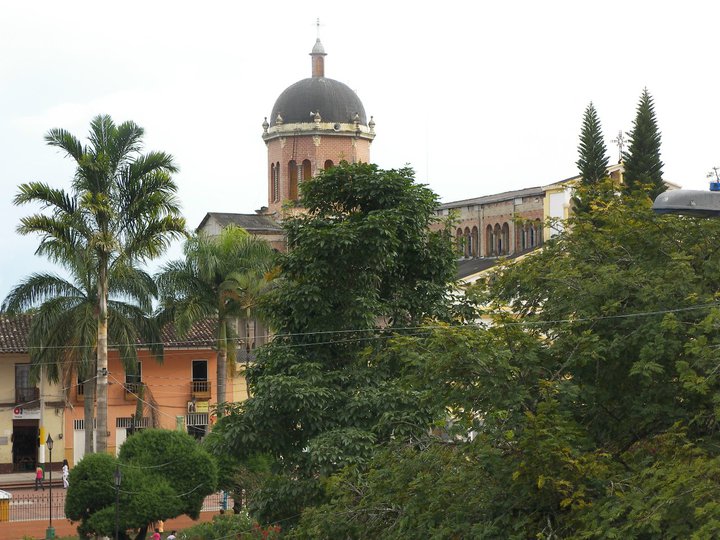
(235, 526)
(643, 166)
(121, 210)
(219, 279)
(592, 162)
(588, 410)
(164, 474)
(362, 265)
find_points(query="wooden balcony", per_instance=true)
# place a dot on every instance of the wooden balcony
(133, 390)
(200, 389)
(27, 396)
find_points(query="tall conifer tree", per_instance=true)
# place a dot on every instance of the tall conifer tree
(643, 167)
(593, 160)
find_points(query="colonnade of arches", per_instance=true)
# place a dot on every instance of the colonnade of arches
(497, 240)
(497, 243)
(297, 172)
(468, 242)
(531, 234)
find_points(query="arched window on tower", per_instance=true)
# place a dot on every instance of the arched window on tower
(276, 182)
(306, 172)
(292, 180)
(328, 164)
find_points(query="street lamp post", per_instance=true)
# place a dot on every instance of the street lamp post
(118, 480)
(50, 532)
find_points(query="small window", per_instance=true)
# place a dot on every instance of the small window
(276, 182)
(136, 377)
(273, 184)
(292, 180)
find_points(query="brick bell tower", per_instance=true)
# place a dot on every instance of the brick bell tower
(315, 124)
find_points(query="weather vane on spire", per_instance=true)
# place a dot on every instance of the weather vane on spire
(620, 141)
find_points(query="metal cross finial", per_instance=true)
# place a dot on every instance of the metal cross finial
(620, 141)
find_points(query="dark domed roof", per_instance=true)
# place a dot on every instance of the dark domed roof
(335, 101)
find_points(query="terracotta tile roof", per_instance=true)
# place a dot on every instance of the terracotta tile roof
(253, 223)
(202, 335)
(14, 332)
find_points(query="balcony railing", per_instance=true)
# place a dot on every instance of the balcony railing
(200, 389)
(27, 395)
(133, 390)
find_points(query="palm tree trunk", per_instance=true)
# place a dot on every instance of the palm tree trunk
(102, 358)
(221, 362)
(89, 410)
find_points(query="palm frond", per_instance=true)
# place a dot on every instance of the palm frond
(36, 289)
(126, 143)
(64, 140)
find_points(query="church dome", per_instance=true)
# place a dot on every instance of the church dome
(335, 102)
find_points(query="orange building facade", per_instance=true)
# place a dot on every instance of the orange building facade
(178, 393)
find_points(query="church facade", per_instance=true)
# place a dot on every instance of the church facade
(318, 122)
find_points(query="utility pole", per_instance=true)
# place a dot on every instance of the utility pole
(41, 428)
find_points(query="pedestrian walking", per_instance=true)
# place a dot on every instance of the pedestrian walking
(156, 535)
(39, 478)
(65, 474)
(171, 536)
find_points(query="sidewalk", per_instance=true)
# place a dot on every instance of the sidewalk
(26, 480)
(20, 530)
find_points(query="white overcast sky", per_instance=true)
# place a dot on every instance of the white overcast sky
(478, 97)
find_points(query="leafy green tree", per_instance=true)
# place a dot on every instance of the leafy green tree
(588, 410)
(63, 332)
(121, 207)
(221, 279)
(236, 526)
(164, 474)
(593, 161)
(362, 264)
(643, 166)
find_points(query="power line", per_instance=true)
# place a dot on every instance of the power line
(203, 343)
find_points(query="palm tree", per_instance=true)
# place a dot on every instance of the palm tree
(221, 279)
(122, 208)
(63, 331)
